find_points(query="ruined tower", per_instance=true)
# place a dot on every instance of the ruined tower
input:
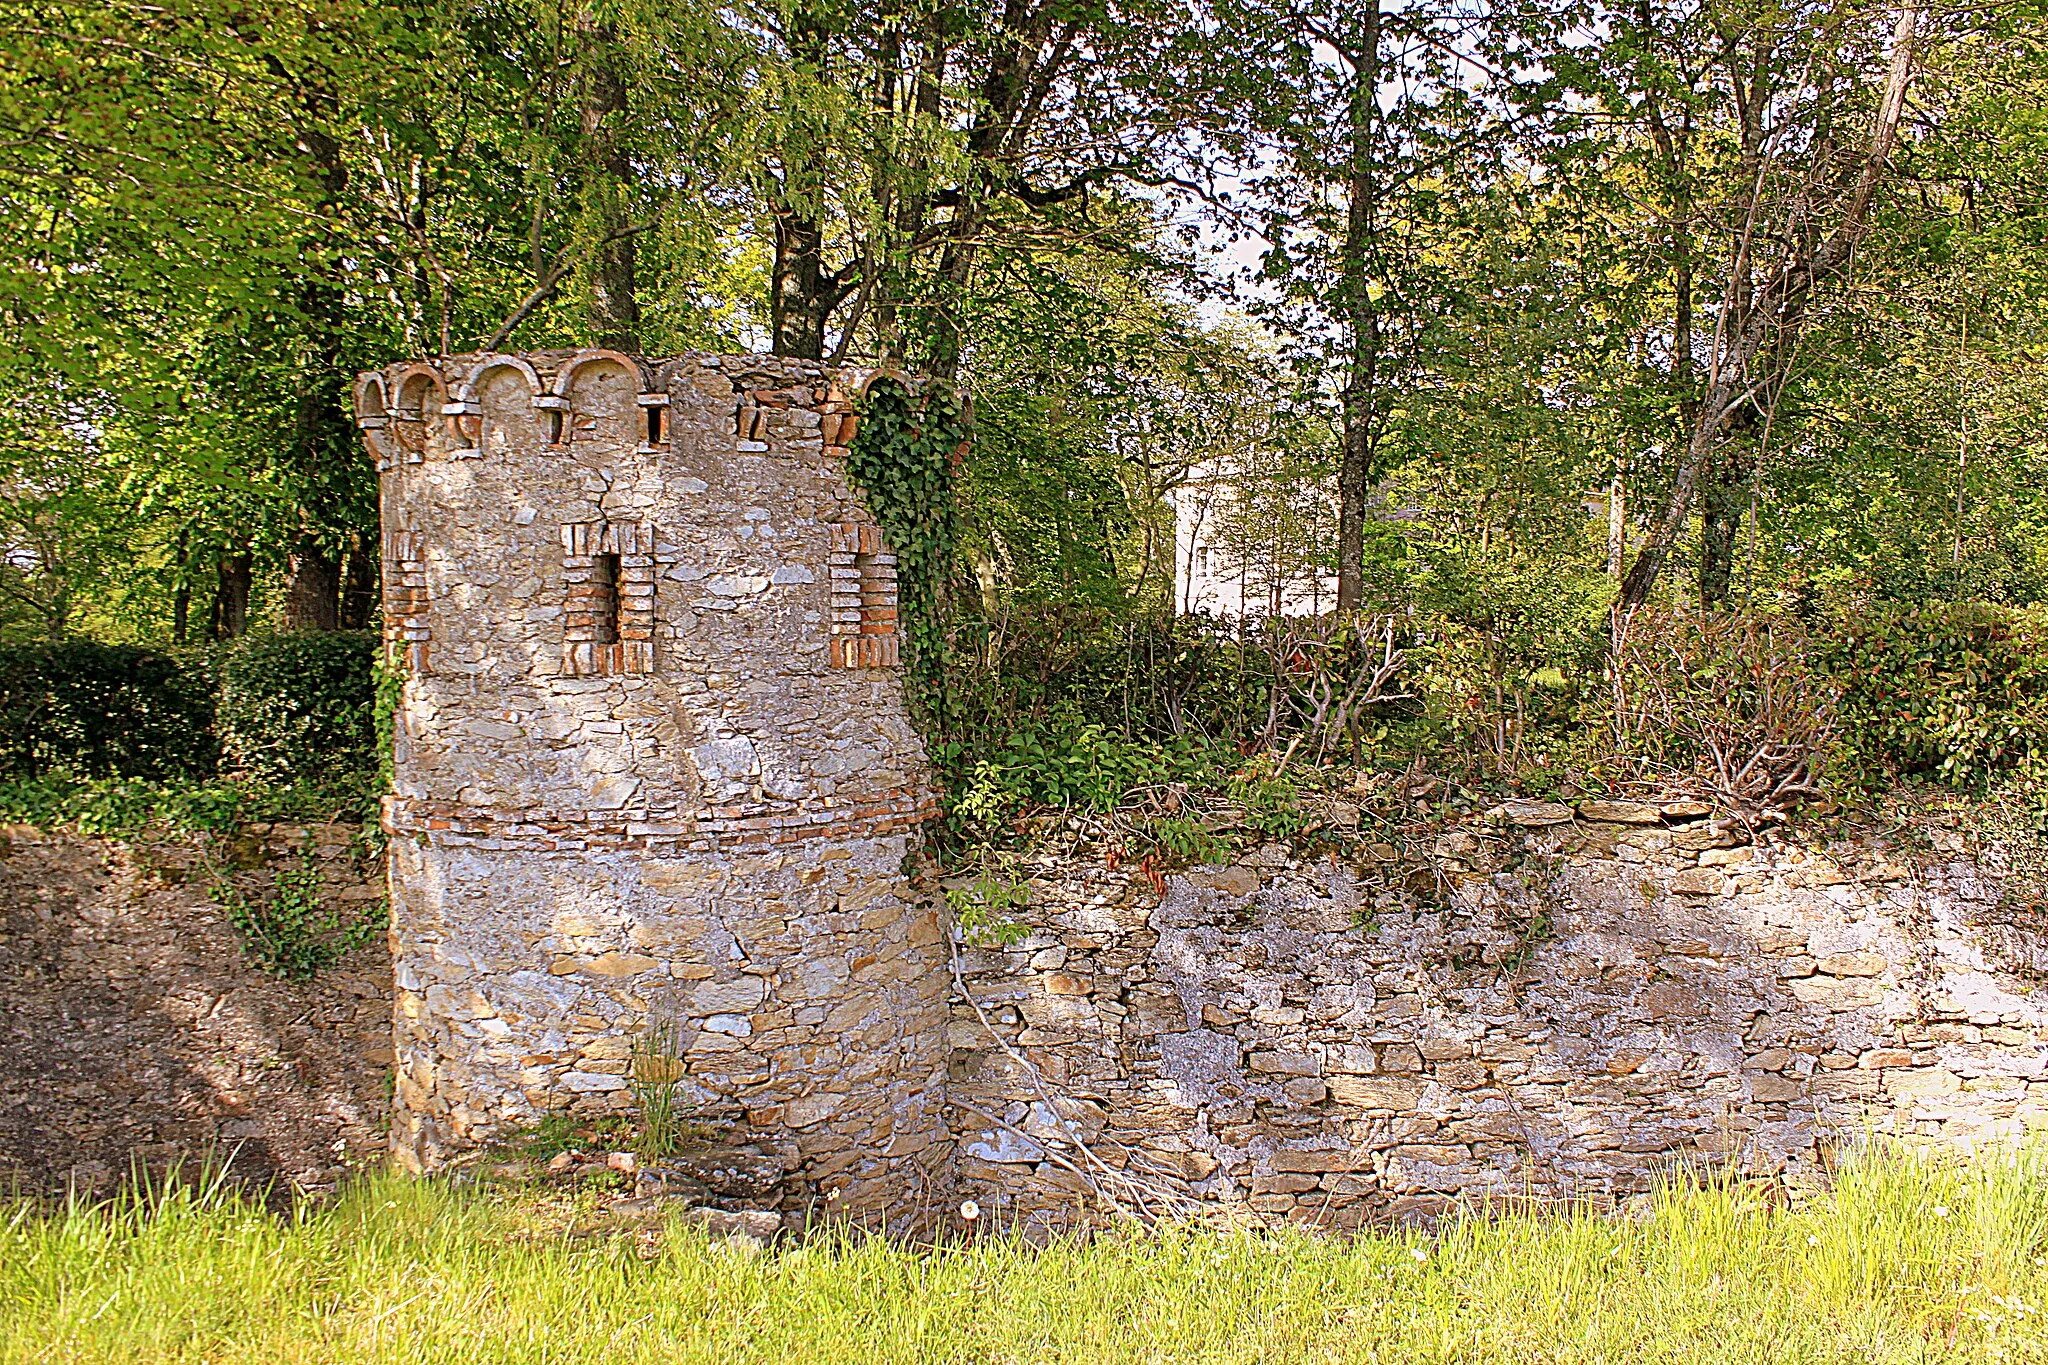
(652, 761)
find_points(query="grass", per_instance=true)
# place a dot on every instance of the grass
(1902, 1262)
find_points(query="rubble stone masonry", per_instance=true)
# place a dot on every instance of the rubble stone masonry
(1548, 1005)
(653, 764)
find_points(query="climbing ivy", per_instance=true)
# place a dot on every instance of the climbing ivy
(388, 670)
(902, 461)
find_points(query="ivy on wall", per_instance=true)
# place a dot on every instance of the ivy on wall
(902, 460)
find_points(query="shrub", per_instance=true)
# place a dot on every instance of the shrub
(1953, 691)
(104, 711)
(1735, 699)
(300, 704)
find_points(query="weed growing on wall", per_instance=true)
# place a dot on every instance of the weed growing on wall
(982, 908)
(654, 1077)
(292, 934)
(388, 678)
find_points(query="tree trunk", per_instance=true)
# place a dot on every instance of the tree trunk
(798, 292)
(614, 308)
(312, 599)
(1361, 317)
(359, 597)
(1721, 507)
(230, 616)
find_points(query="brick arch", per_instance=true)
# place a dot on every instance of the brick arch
(566, 376)
(373, 416)
(472, 420)
(467, 391)
(572, 376)
(414, 420)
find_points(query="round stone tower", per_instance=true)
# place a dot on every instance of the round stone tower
(653, 763)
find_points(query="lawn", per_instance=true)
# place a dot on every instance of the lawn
(1903, 1261)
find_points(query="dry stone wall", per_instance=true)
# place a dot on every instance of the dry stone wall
(1554, 1006)
(653, 764)
(135, 1034)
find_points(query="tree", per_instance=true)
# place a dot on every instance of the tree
(1795, 217)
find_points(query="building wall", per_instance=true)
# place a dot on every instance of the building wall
(1209, 578)
(653, 762)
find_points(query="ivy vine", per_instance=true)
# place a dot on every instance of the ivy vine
(902, 462)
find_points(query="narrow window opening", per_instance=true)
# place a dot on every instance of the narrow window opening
(654, 426)
(604, 577)
(554, 426)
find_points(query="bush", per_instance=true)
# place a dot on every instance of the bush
(300, 705)
(1956, 692)
(104, 711)
(1735, 701)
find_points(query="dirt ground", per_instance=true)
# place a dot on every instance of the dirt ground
(134, 1032)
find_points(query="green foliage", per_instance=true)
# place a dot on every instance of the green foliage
(131, 807)
(104, 710)
(981, 908)
(292, 933)
(1189, 840)
(388, 679)
(902, 462)
(1061, 761)
(1955, 693)
(300, 704)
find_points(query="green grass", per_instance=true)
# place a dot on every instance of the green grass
(1903, 1262)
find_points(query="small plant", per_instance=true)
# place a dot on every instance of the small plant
(1190, 840)
(654, 1075)
(981, 909)
(292, 934)
(556, 1132)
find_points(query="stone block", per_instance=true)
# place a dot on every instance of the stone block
(1375, 1092)
(1621, 812)
(1699, 881)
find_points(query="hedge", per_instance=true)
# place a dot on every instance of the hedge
(299, 705)
(105, 711)
(273, 707)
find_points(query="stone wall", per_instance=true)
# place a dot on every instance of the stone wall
(1545, 1007)
(654, 767)
(134, 1032)
(653, 763)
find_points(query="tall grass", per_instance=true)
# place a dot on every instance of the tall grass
(1902, 1262)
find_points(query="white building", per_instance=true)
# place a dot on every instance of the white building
(1237, 555)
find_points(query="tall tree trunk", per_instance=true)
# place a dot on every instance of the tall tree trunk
(614, 306)
(1721, 508)
(359, 596)
(322, 440)
(312, 598)
(1361, 315)
(230, 615)
(1771, 315)
(798, 290)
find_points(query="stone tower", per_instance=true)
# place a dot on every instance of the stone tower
(653, 762)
